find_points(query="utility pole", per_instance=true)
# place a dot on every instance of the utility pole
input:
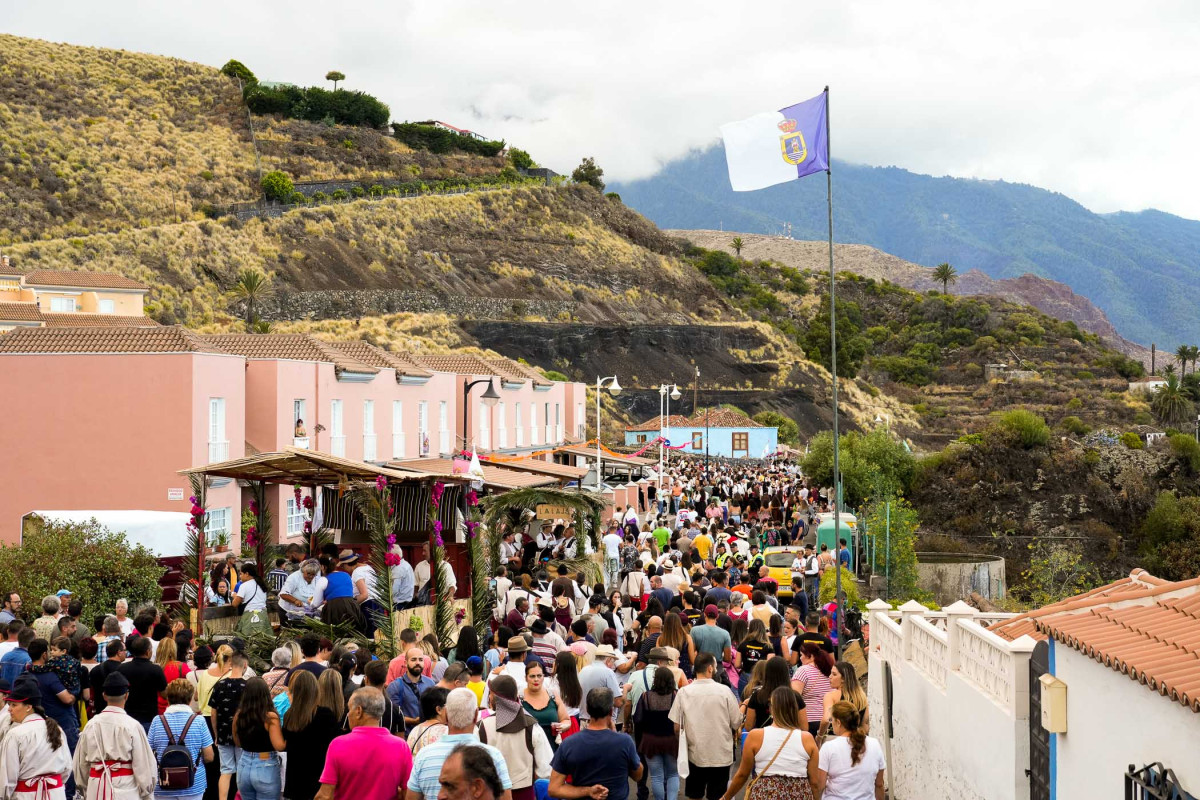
(695, 391)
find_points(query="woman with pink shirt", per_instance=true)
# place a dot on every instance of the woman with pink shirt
(813, 677)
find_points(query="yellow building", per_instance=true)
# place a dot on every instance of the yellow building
(52, 298)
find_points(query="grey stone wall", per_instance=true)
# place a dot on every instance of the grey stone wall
(341, 303)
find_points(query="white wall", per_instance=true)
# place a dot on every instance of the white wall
(1114, 721)
(953, 743)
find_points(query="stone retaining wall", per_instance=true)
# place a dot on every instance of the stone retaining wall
(343, 303)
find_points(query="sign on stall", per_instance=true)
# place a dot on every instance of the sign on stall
(548, 511)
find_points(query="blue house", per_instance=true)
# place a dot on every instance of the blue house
(731, 434)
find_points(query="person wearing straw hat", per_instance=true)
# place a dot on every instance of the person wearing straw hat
(518, 736)
(35, 761)
(600, 674)
(113, 758)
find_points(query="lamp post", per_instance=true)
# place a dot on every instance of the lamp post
(666, 393)
(615, 389)
(886, 420)
(490, 397)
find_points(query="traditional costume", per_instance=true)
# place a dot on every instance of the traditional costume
(30, 769)
(113, 758)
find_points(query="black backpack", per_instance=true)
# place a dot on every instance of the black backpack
(176, 769)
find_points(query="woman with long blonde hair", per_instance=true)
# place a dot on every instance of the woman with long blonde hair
(172, 667)
(208, 678)
(846, 688)
(329, 693)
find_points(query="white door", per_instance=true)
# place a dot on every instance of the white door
(337, 435)
(443, 426)
(423, 427)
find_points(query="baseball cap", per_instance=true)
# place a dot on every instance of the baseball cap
(711, 610)
(63, 593)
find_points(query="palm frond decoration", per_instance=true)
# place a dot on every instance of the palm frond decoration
(481, 596)
(443, 601)
(513, 507)
(191, 594)
(259, 537)
(585, 564)
(376, 507)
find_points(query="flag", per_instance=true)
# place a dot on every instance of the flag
(777, 146)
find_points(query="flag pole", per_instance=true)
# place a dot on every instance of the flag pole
(837, 477)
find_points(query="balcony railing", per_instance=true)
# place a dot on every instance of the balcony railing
(300, 442)
(398, 445)
(218, 451)
(444, 441)
(337, 445)
(369, 449)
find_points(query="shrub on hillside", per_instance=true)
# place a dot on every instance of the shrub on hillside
(1024, 427)
(589, 172)
(520, 158)
(315, 104)
(555, 375)
(440, 140)
(1074, 425)
(98, 565)
(1170, 537)
(236, 69)
(277, 186)
(1187, 450)
(1132, 440)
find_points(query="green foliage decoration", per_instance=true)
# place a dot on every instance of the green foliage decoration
(377, 509)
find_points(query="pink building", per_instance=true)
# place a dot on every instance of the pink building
(95, 415)
(104, 418)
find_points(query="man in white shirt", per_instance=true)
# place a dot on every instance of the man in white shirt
(421, 572)
(671, 577)
(612, 557)
(510, 553)
(296, 596)
(403, 580)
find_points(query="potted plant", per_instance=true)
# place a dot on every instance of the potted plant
(221, 542)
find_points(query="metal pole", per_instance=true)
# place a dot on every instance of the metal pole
(887, 556)
(662, 394)
(599, 472)
(837, 475)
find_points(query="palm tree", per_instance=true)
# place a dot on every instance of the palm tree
(1193, 354)
(1183, 354)
(737, 244)
(946, 274)
(252, 287)
(1168, 369)
(1169, 403)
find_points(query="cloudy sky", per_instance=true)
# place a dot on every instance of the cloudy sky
(1098, 100)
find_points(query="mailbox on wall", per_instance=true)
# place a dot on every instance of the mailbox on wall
(1054, 704)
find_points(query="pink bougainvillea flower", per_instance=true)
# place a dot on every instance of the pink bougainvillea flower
(380, 482)
(308, 503)
(439, 541)
(391, 540)
(193, 500)
(308, 526)
(391, 559)
(254, 507)
(197, 511)
(472, 498)
(437, 525)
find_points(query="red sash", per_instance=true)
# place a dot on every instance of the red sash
(116, 769)
(41, 785)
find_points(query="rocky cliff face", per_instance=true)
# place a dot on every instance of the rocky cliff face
(1050, 297)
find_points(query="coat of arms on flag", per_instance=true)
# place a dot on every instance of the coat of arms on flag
(792, 142)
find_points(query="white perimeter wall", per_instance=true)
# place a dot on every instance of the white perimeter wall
(1114, 721)
(955, 743)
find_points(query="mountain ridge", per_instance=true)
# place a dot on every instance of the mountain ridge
(1003, 229)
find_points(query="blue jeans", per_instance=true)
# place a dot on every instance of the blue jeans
(258, 778)
(664, 777)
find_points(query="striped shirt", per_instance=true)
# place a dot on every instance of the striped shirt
(548, 646)
(428, 764)
(198, 738)
(816, 686)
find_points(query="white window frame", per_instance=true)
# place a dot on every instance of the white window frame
(107, 306)
(337, 429)
(370, 451)
(218, 444)
(423, 428)
(398, 443)
(217, 522)
(485, 426)
(62, 305)
(443, 426)
(502, 431)
(517, 425)
(296, 517)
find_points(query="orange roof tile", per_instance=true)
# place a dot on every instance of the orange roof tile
(516, 370)
(493, 475)
(289, 346)
(159, 339)
(20, 312)
(458, 363)
(1140, 626)
(76, 320)
(716, 418)
(378, 357)
(81, 280)
(673, 421)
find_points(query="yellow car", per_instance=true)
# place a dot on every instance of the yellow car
(779, 566)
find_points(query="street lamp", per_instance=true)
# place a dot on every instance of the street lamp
(615, 389)
(490, 397)
(886, 420)
(664, 400)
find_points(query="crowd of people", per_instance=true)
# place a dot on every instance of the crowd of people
(686, 667)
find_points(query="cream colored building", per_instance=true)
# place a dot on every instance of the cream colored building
(52, 298)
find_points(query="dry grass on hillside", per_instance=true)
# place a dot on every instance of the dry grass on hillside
(536, 243)
(95, 140)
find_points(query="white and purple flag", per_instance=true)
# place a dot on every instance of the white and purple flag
(777, 146)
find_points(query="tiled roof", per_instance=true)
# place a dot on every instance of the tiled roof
(292, 346)
(515, 369)
(717, 418)
(81, 280)
(458, 363)
(673, 421)
(159, 339)
(562, 471)
(493, 475)
(20, 312)
(378, 357)
(1141, 626)
(76, 320)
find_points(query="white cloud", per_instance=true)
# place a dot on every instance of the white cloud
(1098, 100)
